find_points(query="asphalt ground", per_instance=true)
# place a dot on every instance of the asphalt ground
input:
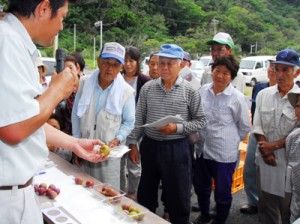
(235, 216)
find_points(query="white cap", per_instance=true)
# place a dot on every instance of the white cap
(39, 63)
(113, 50)
(222, 38)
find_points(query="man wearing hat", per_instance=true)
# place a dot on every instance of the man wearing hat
(186, 72)
(164, 149)
(293, 158)
(104, 108)
(222, 44)
(274, 120)
(249, 173)
(43, 69)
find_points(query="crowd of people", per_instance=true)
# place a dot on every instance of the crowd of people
(112, 106)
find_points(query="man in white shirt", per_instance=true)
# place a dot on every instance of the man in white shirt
(25, 108)
(274, 120)
(222, 44)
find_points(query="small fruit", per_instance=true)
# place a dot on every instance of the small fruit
(42, 191)
(43, 185)
(52, 186)
(132, 209)
(48, 191)
(52, 194)
(57, 190)
(36, 187)
(126, 207)
(104, 150)
(89, 183)
(78, 180)
(134, 215)
(141, 216)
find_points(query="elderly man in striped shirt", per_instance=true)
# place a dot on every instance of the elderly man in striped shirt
(165, 154)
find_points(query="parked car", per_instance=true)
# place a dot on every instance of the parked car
(144, 66)
(51, 63)
(206, 60)
(297, 80)
(197, 68)
(254, 69)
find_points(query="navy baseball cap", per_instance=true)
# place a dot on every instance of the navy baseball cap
(170, 51)
(287, 57)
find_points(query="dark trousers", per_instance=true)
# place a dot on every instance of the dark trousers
(222, 173)
(168, 162)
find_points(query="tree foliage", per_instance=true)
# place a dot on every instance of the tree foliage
(269, 25)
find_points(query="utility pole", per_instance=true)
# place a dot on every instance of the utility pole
(255, 47)
(55, 45)
(251, 46)
(94, 52)
(214, 23)
(96, 24)
(74, 37)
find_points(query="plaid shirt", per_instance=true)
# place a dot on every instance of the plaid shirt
(293, 157)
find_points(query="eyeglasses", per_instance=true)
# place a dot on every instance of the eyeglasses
(113, 64)
(218, 49)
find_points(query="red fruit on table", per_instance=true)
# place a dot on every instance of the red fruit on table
(78, 180)
(57, 190)
(89, 183)
(52, 194)
(36, 187)
(52, 187)
(42, 191)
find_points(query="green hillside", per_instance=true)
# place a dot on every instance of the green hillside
(260, 26)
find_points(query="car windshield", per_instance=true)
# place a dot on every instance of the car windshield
(246, 64)
(205, 61)
(197, 65)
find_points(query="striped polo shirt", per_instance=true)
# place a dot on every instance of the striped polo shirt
(155, 103)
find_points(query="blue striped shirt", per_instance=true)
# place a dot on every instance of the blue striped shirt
(155, 103)
(228, 122)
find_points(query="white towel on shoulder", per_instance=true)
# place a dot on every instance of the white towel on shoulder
(114, 100)
(115, 96)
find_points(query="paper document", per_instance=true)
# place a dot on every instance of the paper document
(118, 151)
(164, 121)
(115, 152)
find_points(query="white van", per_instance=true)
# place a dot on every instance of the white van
(254, 69)
(51, 63)
(206, 60)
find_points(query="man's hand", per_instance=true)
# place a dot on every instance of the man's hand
(134, 154)
(85, 150)
(77, 160)
(270, 159)
(266, 148)
(64, 82)
(168, 129)
(113, 143)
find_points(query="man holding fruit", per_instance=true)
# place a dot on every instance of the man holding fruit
(25, 108)
(104, 108)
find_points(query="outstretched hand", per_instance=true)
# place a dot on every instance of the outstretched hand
(85, 150)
